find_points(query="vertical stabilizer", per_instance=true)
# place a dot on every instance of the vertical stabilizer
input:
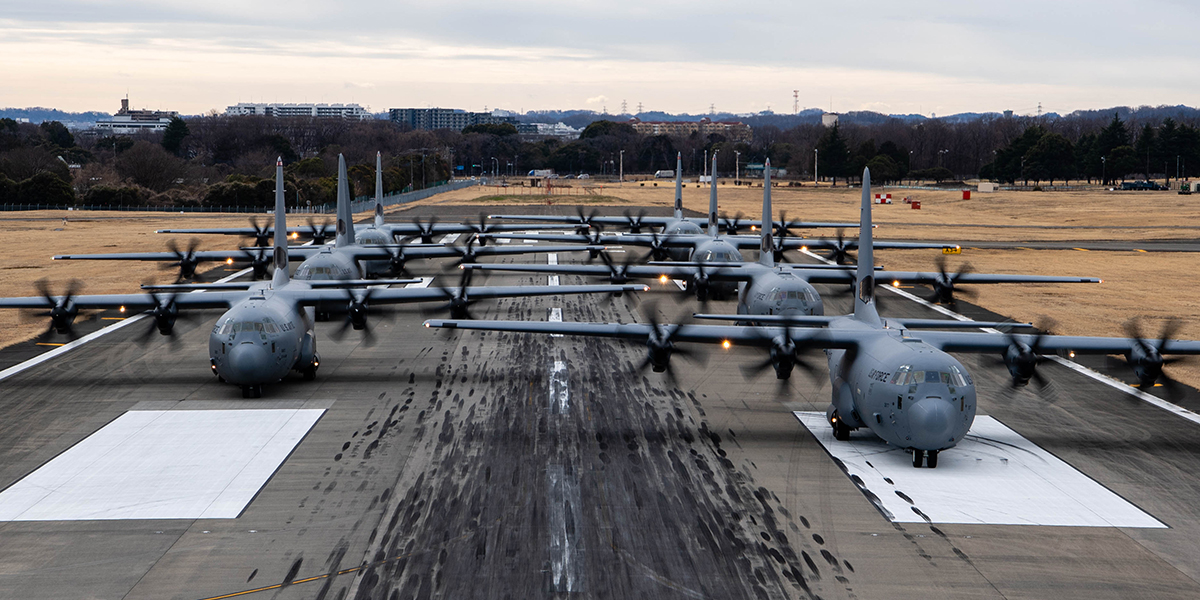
(280, 277)
(766, 249)
(712, 199)
(864, 297)
(345, 217)
(378, 189)
(678, 185)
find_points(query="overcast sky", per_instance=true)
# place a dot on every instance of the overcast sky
(921, 56)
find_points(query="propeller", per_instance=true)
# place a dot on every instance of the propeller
(701, 284)
(396, 260)
(358, 308)
(660, 346)
(784, 356)
(943, 286)
(262, 232)
(781, 233)
(1022, 359)
(479, 228)
(318, 232)
(658, 249)
(785, 225)
(187, 261)
(260, 261)
(62, 311)
(585, 221)
(840, 253)
(618, 273)
(635, 223)
(425, 230)
(457, 301)
(466, 254)
(1146, 359)
(732, 225)
(164, 315)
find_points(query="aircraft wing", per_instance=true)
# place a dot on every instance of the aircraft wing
(793, 243)
(413, 229)
(575, 220)
(930, 277)
(200, 256)
(633, 239)
(132, 302)
(444, 251)
(429, 294)
(243, 231)
(633, 271)
(962, 341)
(704, 334)
(824, 320)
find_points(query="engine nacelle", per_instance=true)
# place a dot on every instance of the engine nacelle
(1147, 363)
(1021, 362)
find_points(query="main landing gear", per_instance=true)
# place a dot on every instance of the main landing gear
(929, 458)
(252, 391)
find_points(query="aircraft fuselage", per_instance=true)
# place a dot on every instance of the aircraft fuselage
(778, 292)
(910, 394)
(261, 339)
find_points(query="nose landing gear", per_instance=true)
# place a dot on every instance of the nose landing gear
(928, 458)
(252, 391)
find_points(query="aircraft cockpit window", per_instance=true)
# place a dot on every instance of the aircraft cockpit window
(901, 376)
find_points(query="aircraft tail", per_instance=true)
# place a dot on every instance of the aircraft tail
(678, 185)
(378, 189)
(345, 217)
(766, 249)
(864, 297)
(712, 200)
(280, 277)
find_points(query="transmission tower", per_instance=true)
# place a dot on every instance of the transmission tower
(639, 108)
(624, 109)
(795, 102)
(712, 109)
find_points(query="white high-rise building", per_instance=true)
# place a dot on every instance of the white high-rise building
(319, 111)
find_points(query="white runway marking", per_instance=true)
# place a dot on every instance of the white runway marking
(994, 477)
(552, 280)
(1070, 364)
(424, 283)
(556, 312)
(680, 283)
(174, 464)
(564, 514)
(552, 259)
(559, 398)
(504, 241)
(530, 241)
(451, 238)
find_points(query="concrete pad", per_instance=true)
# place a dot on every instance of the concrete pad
(994, 476)
(172, 464)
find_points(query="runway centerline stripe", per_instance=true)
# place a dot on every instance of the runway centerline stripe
(1070, 364)
(556, 312)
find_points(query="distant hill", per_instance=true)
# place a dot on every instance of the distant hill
(37, 114)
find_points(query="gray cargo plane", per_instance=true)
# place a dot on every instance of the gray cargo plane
(713, 246)
(896, 381)
(357, 252)
(672, 225)
(765, 288)
(376, 231)
(267, 330)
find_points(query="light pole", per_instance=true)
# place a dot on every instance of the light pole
(816, 161)
(1103, 169)
(423, 184)
(622, 176)
(737, 171)
(706, 161)
(941, 153)
(495, 166)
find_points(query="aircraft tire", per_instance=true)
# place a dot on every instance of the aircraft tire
(931, 459)
(840, 431)
(252, 391)
(918, 458)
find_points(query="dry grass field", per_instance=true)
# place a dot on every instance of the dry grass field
(1157, 286)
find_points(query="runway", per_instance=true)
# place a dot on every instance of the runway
(461, 465)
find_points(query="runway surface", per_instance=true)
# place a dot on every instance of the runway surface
(463, 465)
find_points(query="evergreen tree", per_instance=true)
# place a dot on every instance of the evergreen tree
(1146, 149)
(832, 154)
(172, 140)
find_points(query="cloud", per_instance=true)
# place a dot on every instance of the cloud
(597, 100)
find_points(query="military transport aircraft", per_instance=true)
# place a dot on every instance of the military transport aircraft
(267, 330)
(765, 288)
(389, 232)
(712, 246)
(672, 225)
(357, 252)
(899, 383)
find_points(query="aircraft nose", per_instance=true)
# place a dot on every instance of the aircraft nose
(931, 421)
(247, 364)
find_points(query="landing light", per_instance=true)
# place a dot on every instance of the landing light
(229, 261)
(725, 344)
(804, 248)
(122, 309)
(662, 279)
(895, 283)
(1071, 354)
(753, 228)
(295, 234)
